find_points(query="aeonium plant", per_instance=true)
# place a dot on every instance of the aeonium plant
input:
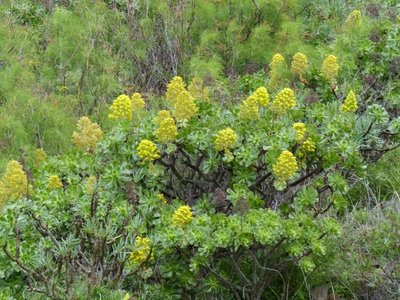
(197, 198)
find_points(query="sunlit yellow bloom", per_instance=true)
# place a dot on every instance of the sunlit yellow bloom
(89, 133)
(167, 131)
(14, 182)
(330, 68)
(249, 109)
(137, 102)
(182, 216)
(174, 88)
(284, 101)
(184, 106)
(301, 130)
(262, 96)
(55, 182)
(285, 166)
(299, 63)
(350, 103)
(225, 140)
(147, 151)
(142, 251)
(308, 145)
(121, 108)
(276, 65)
(162, 115)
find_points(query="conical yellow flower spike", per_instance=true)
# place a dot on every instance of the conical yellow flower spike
(299, 63)
(262, 96)
(350, 103)
(286, 166)
(14, 182)
(249, 108)
(142, 251)
(184, 107)
(284, 101)
(55, 182)
(147, 151)
(301, 130)
(121, 108)
(137, 102)
(225, 140)
(330, 68)
(353, 19)
(167, 131)
(278, 61)
(182, 216)
(89, 133)
(174, 88)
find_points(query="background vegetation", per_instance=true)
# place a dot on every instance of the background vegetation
(61, 60)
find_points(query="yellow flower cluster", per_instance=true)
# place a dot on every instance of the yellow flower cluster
(308, 145)
(330, 68)
(137, 102)
(299, 63)
(162, 198)
(225, 140)
(184, 106)
(354, 18)
(55, 182)
(89, 133)
(278, 61)
(162, 115)
(40, 155)
(286, 165)
(142, 251)
(182, 216)
(350, 103)
(301, 130)
(147, 151)
(249, 108)
(14, 182)
(197, 89)
(167, 131)
(262, 96)
(174, 88)
(283, 101)
(121, 108)
(91, 184)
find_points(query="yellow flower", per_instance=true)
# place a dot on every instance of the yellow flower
(286, 166)
(350, 103)
(262, 96)
(167, 131)
(40, 155)
(147, 151)
(283, 101)
(91, 184)
(301, 130)
(121, 108)
(330, 68)
(197, 89)
(142, 251)
(184, 106)
(174, 88)
(277, 59)
(162, 115)
(249, 109)
(89, 133)
(299, 63)
(308, 145)
(354, 18)
(14, 182)
(162, 198)
(182, 216)
(225, 140)
(137, 102)
(55, 182)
